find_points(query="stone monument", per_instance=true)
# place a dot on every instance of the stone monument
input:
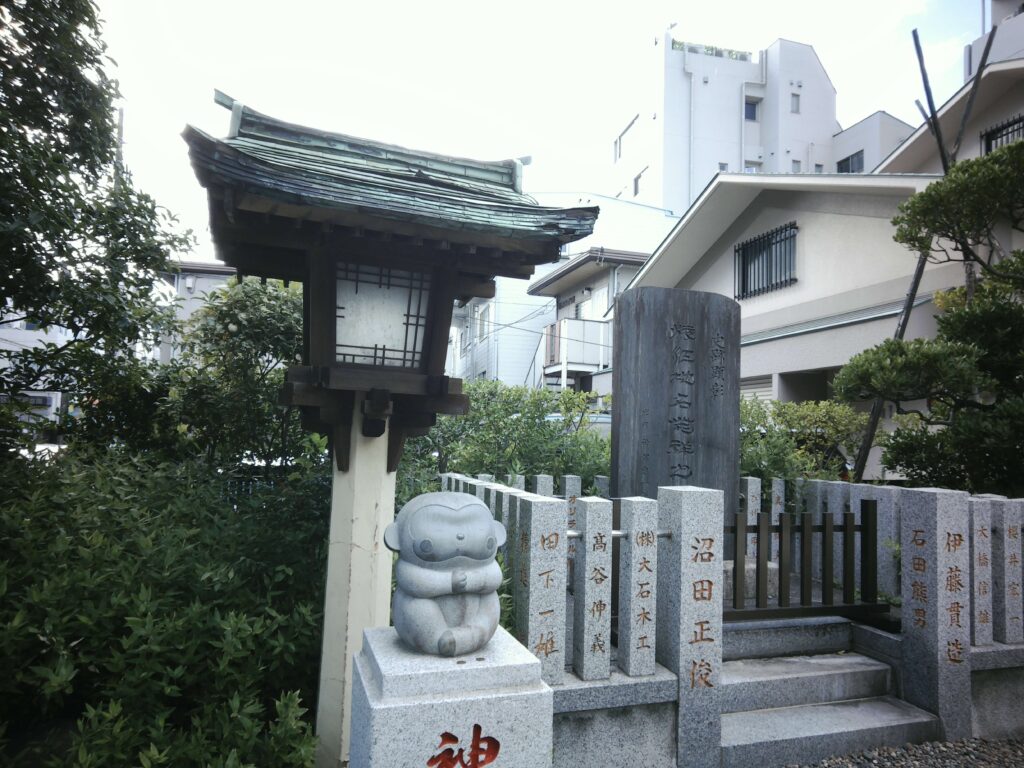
(446, 599)
(676, 383)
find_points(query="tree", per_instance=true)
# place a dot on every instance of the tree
(222, 391)
(960, 396)
(81, 248)
(790, 440)
(970, 214)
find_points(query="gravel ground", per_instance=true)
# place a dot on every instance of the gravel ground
(976, 753)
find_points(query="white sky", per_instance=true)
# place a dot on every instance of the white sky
(551, 79)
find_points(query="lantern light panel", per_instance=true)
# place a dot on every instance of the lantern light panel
(381, 316)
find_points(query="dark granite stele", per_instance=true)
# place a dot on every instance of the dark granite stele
(676, 383)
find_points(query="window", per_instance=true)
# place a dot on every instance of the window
(636, 182)
(723, 167)
(1002, 134)
(617, 146)
(819, 168)
(750, 111)
(794, 103)
(752, 168)
(482, 326)
(766, 262)
(796, 166)
(852, 164)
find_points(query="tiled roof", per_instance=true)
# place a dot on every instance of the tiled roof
(295, 165)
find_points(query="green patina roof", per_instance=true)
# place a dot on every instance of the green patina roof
(277, 161)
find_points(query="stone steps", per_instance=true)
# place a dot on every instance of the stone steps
(749, 684)
(808, 733)
(786, 637)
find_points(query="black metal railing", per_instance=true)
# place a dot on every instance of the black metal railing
(1002, 134)
(766, 262)
(800, 530)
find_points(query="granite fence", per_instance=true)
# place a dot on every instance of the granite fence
(650, 608)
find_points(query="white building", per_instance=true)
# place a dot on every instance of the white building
(17, 333)
(496, 338)
(710, 110)
(1008, 15)
(997, 118)
(190, 286)
(507, 337)
(576, 348)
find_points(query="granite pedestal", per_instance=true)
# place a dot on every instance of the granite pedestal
(408, 708)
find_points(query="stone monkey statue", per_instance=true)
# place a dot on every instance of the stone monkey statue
(446, 601)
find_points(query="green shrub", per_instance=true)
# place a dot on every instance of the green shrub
(509, 430)
(791, 440)
(158, 614)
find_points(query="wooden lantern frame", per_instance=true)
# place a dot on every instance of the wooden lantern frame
(291, 203)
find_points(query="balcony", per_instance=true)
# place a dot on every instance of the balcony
(573, 349)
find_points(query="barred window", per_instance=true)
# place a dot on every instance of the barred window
(766, 262)
(1002, 134)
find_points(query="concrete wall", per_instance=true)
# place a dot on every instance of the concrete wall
(610, 738)
(996, 711)
(804, 136)
(18, 335)
(830, 347)
(191, 290)
(876, 135)
(595, 302)
(1009, 42)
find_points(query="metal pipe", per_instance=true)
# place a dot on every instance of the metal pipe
(618, 534)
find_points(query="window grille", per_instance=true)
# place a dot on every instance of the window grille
(1002, 134)
(766, 262)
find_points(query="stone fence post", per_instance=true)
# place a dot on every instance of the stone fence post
(981, 571)
(638, 590)
(936, 652)
(592, 591)
(541, 560)
(689, 640)
(1007, 573)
